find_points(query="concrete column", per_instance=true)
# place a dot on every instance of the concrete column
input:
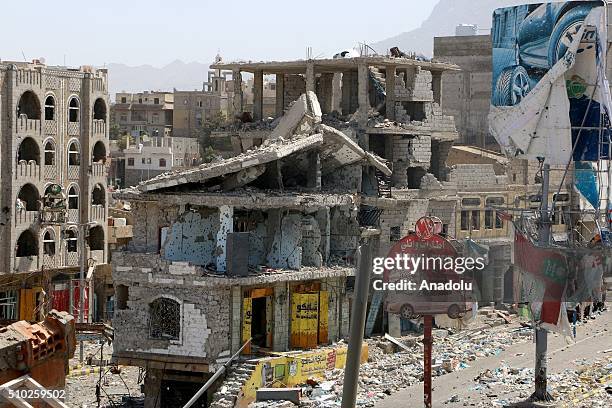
(336, 102)
(258, 95)
(152, 388)
(237, 102)
(362, 95)
(282, 317)
(395, 325)
(390, 91)
(310, 77)
(226, 225)
(313, 176)
(280, 94)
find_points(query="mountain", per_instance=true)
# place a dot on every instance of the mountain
(446, 15)
(177, 74)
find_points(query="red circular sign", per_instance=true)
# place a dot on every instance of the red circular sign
(425, 228)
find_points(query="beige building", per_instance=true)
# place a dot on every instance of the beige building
(144, 112)
(54, 143)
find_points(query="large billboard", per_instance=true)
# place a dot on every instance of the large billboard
(549, 93)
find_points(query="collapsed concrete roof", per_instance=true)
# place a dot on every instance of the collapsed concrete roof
(331, 64)
(299, 130)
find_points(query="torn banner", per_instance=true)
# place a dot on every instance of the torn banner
(549, 80)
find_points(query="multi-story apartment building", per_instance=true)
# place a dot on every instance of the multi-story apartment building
(144, 112)
(54, 143)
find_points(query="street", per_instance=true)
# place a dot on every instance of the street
(459, 388)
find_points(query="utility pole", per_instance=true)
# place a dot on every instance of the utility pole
(82, 286)
(358, 313)
(541, 334)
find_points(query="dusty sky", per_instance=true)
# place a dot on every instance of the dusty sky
(156, 32)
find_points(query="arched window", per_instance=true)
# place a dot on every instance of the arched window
(99, 109)
(29, 105)
(96, 238)
(74, 156)
(98, 195)
(49, 153)
(73, 110)
(49, 108)
(27, 244)
(29, 197)
(164, 319)
(71, 240)
(99, 152)
(49, 243)
(28, 150)
(73, 198)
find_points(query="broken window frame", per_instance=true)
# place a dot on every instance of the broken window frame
(96, 238)
(96, 198)
(465, 220)
(489, 214)
(29, 105)
(31, 203)
(98, 153)
(162, 162)
(72, 240)
(28, 151)
(165, 319)
(31, 242)
(99, 110)
(475, 220)
(8, 305)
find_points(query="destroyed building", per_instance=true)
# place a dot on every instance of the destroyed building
(256, 246)
(54, 143)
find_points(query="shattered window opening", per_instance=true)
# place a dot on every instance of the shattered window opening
(99, 152)
(98, 195)
(8, 305)
(71, 240)
(164, 319)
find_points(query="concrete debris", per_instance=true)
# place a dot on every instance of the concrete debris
(388, 371)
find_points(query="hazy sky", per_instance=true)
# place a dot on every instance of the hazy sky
(158, 32)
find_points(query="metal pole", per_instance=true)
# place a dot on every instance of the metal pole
(217, 374)
(360, 305)
(427, 349)
(82, 289)
(541, 334)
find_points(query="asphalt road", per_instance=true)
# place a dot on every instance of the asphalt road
(593, 342)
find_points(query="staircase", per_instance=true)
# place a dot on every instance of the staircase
(230, 389)
(384, 184)
(378, 81)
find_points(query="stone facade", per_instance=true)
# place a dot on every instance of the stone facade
(54, 131)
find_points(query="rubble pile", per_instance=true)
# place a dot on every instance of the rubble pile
(590, 385)
(388, 371)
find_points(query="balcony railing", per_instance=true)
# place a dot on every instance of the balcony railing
(23, 217)
(73, 172)
(50, 127)
(73, 215)
(28, 169)
(97, 212)
(26, 263)
(99, 127)
(51, 261)
(98, 170)
(50, 172)
(71, 258)
(73, 128)
(25, 125)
